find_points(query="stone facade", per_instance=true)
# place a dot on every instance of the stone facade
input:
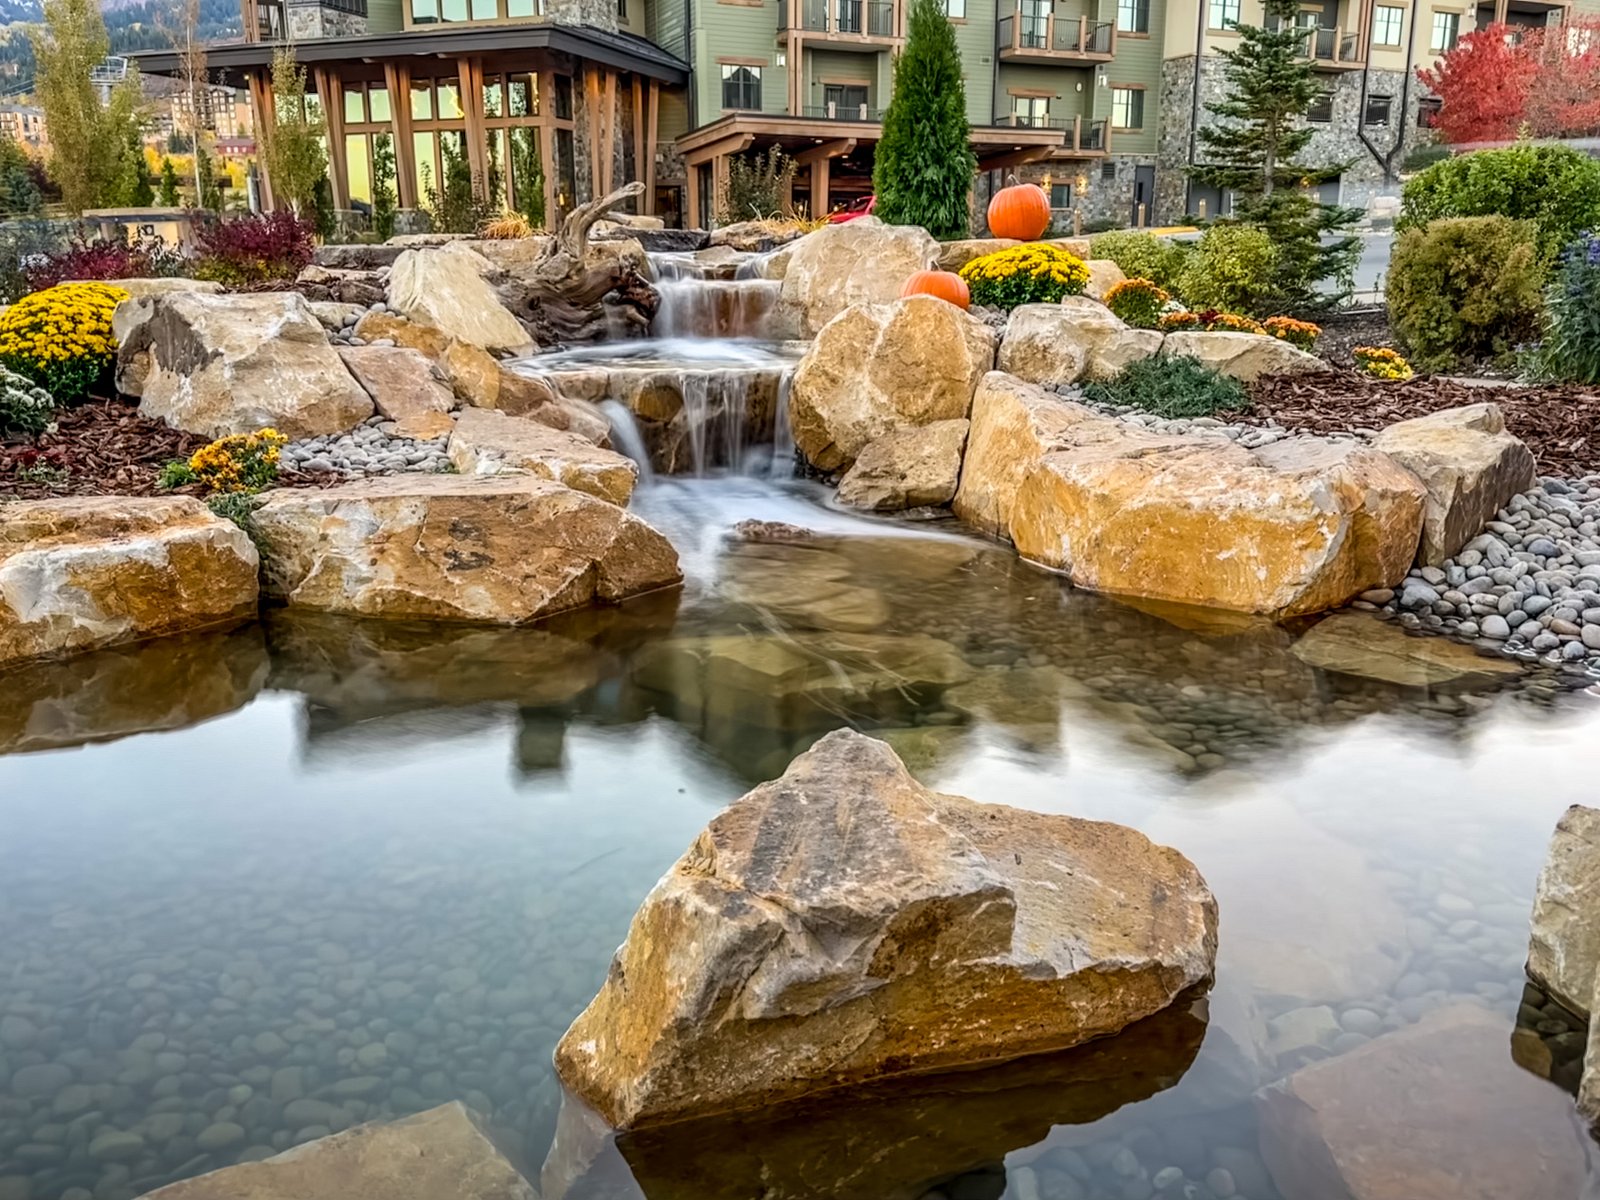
(1338, 141)
(314, 20)
(1097, 199)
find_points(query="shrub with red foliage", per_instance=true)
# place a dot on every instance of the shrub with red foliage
(1503, 79)
(102, 259)
(249, 249)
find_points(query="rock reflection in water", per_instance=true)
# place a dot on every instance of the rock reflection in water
(888, 1142)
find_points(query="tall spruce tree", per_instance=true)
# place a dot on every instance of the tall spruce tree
(925, 166)
(1253, 152)
(169, 184)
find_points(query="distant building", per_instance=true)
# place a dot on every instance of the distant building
(24, 124)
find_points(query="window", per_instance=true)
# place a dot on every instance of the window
(1446, 27)
(1133, 16)
(1386, 22)
(1224, 14)
(956, 10)
(1378, 110)
(378, 102)
(622, 10)
(1060, 195)
(422, 99)
(1127, 108)
(1428, 112)
(1320, 111)
(1031, 111)
(485, 10)
(848, 101)
(741, 86)
(355, 106)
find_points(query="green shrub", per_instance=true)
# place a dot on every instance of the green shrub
(1137, 302)
(1143, 256)
(1424, 157)
(1466, 288)
(25, 407)
(1556, 187)
(1233, 268)
(1177, 386)
(1571, 349)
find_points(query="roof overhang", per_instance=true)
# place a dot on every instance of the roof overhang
(796, 134)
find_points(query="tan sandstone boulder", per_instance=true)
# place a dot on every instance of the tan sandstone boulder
(92, 571)
(485, 442)
(1295, 527)
(1103, 276)
(858, 262)
(507, 548)
(442, 1152)
(219, 365)
(1470, 465)
(1244, 356)
(844, 924)
(445, 288)
(403, 388)
(378, 325)
(1437, 1111)
(955, 255)
(1564, 942)
(876, 368)
(1054, 344)
(908, 468)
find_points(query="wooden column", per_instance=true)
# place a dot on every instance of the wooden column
(652, 129)
(329, 91)
(547, 150)
(820, 171)
(470, 72)
(608, 145)
(397, 78)
(264, 111)
(636, 89)
(591, 103)
(692, 179)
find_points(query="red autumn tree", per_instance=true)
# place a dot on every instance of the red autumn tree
(1483, 86)
(1565, 102)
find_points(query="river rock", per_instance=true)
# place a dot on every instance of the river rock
(1244, 356)
(1564, 943)
(844, 924)
(507, 548)
(93, 571)
(219, 365)
(908, 468)
(446, 288)
(442, 1152)
(1437, 1111)
(1055, 344)
(1470, 465)
(403, 389)
(857, 262)
(486, 442)
(1354, 643)
(876, 368)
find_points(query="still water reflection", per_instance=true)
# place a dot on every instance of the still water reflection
(261, 885)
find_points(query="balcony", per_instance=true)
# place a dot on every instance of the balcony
(1079, 135)
(1041, 37)
(1331, 48)
(848, 21)
(859, 113)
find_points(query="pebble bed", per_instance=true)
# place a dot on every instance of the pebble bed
(372, 448)
(345, 335)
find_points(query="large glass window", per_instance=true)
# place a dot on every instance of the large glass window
(1386, 24)
(1032, 111)
(424, 149)
(741, 86)
(956, 10)
(355, 104)
(1446, 28)
(567, 169)
(485, 10)
(1133, 16)
(525, 8)
(1224, 14)
(422, 99)
(522, 95)
(494, 96)
(358, 166)
(449, 100)
(424, 12)
(377, 102)
(563, 93)
(527, 172)
(1127, 108)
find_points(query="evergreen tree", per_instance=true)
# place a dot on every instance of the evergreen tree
(383, 177)
(169, 184)
(1252, 152)
(327, 217)
(925, 166)
(19, 195)
(209, 196)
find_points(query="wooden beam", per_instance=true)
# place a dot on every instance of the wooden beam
(591, 100)
(837, 148)
(264, 111)
(636, 95)
(692, 176)
(653, 132)
(470, 74)
(819, 188)
(397, 78)
(734, 143)
(331, 94)
(547, 152)
(608, 147)
(1014, 158)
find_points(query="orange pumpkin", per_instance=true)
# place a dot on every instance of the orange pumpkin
(1021, 211)
(946, 285)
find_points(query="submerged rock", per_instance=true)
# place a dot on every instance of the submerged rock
(1434, 1112)
(508, 548)
(1470, 465)
(843, 924)
(95, 571)
(857, 262)
(877, 368)
(442, 1152)
(1354, 643)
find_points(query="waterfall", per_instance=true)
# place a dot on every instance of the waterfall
(625, 433)
(714, 308)
(782, 465)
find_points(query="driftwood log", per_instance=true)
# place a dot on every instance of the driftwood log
(577, 292)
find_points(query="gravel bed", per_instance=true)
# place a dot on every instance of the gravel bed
(345, 335)
(370, 449)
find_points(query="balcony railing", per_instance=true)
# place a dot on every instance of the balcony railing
(1077, 133)
(844, 112)
(1022, 33)
(1332, 46)
(869, 18)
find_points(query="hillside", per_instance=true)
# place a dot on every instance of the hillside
(133, 25)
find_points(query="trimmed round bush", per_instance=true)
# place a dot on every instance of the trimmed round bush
(1233, 269)
(1466, 289)
(1143, 256)
(1556, 187)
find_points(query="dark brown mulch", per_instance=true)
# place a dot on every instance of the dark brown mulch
(1343, 331)
(1560, 423)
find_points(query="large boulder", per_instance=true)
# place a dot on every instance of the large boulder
(94, 571)
(955, 255)
(1564, 942)
(506, 548)
(1103, 276)
(908, 468)
(220, 365)
(1437, 1111)
(403, 388)
(446, 288)
(844, 924)
(857, 262)
(1055, 344)
(876, 368)
(1470, 465)
(1294, 527)
(442, 1152)
(1244, 356)
(486, 442)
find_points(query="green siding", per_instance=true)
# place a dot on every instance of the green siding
(975, 38)
(672, 118)
(638, 19)
(840, 66)
(736, 31)
(1138, 62)
(666, 26)
(1065, 102)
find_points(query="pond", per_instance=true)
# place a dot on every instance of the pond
(263, 884)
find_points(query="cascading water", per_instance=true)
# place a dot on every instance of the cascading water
(626, 437)
(715, 308)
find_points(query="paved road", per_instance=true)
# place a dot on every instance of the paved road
(1374, 264)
